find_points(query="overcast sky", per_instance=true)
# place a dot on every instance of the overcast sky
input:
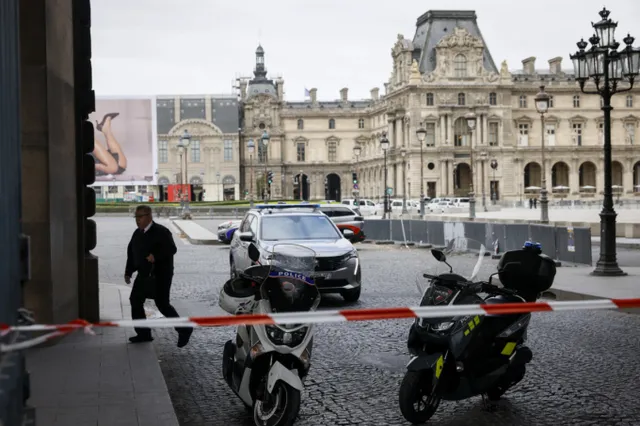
(151, 47)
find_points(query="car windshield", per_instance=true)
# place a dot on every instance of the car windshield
(298, 227)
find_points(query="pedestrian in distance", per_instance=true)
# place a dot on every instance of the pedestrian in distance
(150, 254)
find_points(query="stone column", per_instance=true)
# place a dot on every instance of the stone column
(600, 176)
(574, 177)
(441, 125)
(49, 200)
(398, 140)
(450, 136)
(627, 176)
(485, 130)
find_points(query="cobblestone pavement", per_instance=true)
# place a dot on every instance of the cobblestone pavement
(582, 372)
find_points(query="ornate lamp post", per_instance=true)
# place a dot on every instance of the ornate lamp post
(265, 142)
(494, 194)
(542, 105)
(357, 150)
(471, 122)
(608, 68)
(384, 144)
(404, 182)
(483, 157)
(421, 134)
(220, 191)
(183, 146)
(251, 146)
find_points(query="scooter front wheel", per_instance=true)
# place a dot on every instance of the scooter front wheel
(278, 408)
(417, 403)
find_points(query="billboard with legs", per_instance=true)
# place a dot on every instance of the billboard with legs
(125, 141)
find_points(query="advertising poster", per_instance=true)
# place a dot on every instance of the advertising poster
(125, 141)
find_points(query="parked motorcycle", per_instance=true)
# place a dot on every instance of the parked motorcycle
(266, 364)
(460, 357)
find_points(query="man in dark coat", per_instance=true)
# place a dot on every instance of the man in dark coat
(151, 250)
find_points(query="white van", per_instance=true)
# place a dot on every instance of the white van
(366, 207)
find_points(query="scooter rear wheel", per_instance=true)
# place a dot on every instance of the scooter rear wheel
(417, 403)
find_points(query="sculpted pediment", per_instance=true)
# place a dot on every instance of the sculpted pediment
(460, 38)
(524, 119)
(362, 139)
(630, 118)
(300, 139)
(196, 127)
(332, 139)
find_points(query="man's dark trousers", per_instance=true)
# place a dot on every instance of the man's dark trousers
(138, 297)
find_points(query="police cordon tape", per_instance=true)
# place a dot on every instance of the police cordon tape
(318, 317)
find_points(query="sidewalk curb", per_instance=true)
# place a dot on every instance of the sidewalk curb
(619, 244)
(194, 240)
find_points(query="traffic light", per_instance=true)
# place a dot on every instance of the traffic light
(354, 175)
(270, 177)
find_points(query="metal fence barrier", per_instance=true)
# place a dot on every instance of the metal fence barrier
(569, 244)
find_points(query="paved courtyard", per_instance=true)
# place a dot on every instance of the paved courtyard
(581, 374)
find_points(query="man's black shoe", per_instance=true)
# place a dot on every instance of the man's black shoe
(183, 337)
(140, 339)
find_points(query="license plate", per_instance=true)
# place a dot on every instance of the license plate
(325, 275)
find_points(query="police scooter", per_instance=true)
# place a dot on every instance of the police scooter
(460, 357)
(266, 364)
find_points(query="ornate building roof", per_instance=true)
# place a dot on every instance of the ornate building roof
(434, 26)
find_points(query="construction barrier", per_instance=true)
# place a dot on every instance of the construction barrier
(317, 317)
(568, 244)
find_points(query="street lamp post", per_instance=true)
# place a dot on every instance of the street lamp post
(251, 146)
(357, 150)
(265, 142)
(483, 156)
(471, 122)
(183, 145)
(384, 144)
(404, 182)
(542, 105)
(494, 194)
(421, 133)
(220, 191)
(608, 68)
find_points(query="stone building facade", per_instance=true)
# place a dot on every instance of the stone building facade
(443, 74)
(213, 156)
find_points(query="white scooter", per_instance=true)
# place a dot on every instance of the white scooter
(266, 364)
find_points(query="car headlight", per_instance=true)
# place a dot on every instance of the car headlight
(283, 337)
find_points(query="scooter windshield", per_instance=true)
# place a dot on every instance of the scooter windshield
(461, 256)
(289, 286)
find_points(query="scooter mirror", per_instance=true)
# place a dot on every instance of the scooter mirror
(439, 255)
(254, 253)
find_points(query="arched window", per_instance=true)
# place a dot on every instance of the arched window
(460, 65)
(332, 123)
(461, 99)
(300, 124)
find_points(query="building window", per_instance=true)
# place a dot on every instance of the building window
(163, 152)
(332, 153)
(361, 123)
(523, 134)
(629, 101)
(493, 99)
(493, 134)
(460, 65)
(430, 140)
(332, 123)
(429, 99)
(551, 134)
(577, 133)
(300, 151)
(228, 150)
(550, 101)
(300, 124)
(576, 101)
(262, 152)
(461, 99)
(195, 151)
(523, 101)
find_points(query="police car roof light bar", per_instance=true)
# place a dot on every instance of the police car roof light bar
(286, 206)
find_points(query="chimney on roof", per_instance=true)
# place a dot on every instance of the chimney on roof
(280, 88)
(555, 65)
(344, 94)
(386, 88)
(529, 65)
(313, 94)
(375, 93)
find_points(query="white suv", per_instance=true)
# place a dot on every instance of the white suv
(365, 207)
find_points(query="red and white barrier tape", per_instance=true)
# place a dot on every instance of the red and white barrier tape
(318, 317)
